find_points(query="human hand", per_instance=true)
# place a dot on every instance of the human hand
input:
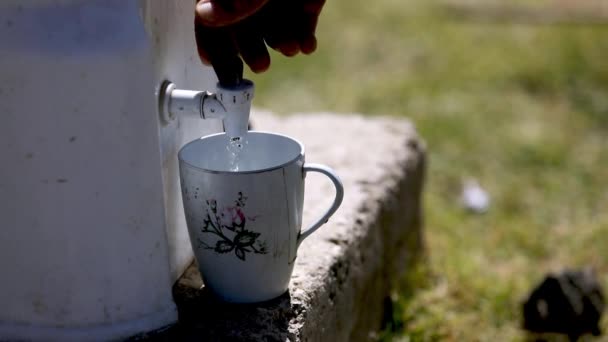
(228, 30)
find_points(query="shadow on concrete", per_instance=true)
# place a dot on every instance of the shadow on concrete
(205, 317)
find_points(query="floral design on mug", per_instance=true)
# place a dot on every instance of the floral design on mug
(228, 224)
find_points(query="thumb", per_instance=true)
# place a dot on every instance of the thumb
(216, 13)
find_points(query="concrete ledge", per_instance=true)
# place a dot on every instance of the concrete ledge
(346, 269)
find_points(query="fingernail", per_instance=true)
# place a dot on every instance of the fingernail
(204, 9)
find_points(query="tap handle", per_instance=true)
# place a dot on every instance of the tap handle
(229, 71)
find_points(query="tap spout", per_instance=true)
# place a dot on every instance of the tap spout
(231, 104)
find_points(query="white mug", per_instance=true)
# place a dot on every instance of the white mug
(245, 225)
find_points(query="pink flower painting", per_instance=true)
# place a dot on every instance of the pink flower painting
(225, 232)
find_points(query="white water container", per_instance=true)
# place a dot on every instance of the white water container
(92, 231)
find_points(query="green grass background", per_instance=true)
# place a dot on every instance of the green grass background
(521, 108)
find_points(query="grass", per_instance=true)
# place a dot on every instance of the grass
(521, 108)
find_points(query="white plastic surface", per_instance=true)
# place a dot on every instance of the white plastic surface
(93, 233)
(231, 105)
(237, 102)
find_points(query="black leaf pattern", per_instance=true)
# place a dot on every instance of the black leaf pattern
(232, 219)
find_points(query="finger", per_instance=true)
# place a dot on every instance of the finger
(252, 48)
(308, 45)
(311, 10)
(284, 43)
(289, 48)
(217, 13)
(278, 21)
(313, 6)
(204, 57)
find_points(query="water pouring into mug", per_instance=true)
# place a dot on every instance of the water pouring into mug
(243, 195)
(235, 148)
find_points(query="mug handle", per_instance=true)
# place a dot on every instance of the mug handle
(334, 206)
